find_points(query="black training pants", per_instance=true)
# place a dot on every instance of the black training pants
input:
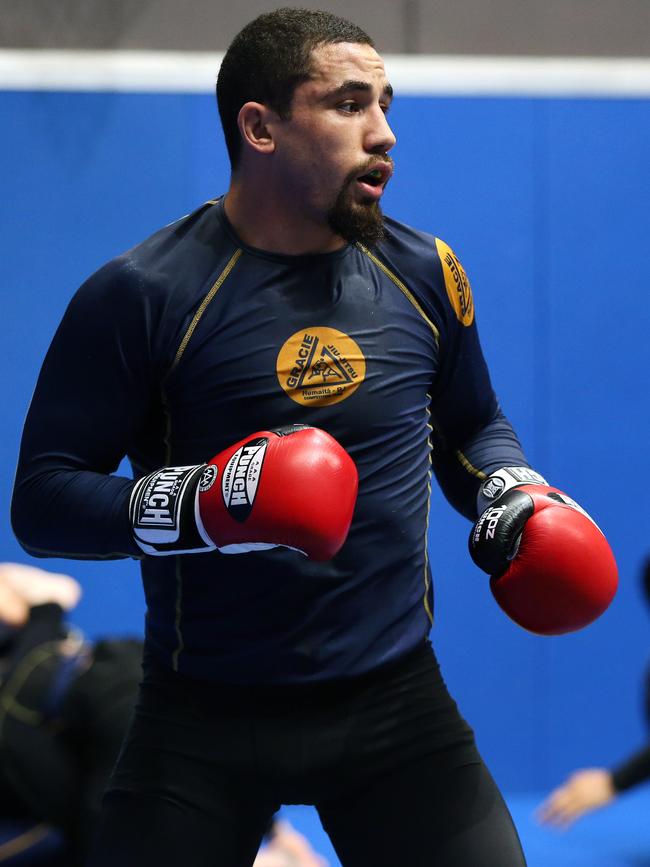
(386, 759)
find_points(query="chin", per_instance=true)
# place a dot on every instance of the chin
(357, 222)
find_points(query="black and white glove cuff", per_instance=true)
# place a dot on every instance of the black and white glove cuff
(501, 481)
(163, 510)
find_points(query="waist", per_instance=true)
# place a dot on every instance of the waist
(419, 660)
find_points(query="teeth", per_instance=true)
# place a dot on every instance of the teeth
(375, 174)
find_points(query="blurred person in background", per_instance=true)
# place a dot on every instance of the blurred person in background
(65, 703)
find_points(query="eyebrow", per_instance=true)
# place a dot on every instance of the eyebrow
(352, 85)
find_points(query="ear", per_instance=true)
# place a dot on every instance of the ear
(254, 120)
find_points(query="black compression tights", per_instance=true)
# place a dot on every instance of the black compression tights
(418, 817)
(421, 817)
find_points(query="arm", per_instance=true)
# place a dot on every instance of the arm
(552, 570)
(591, 788)
(631, 772)
(97, 393)
(92, 398)
(472, 438)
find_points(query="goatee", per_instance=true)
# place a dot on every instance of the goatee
(356, 222)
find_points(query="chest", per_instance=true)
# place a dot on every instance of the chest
(339, 346)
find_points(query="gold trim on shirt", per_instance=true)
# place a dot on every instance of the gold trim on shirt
(202, 308)
(405, 291)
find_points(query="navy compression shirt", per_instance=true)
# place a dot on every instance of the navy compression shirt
(191, 341)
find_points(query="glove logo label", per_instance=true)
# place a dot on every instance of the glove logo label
(320, 366)
(156, 504)
(493, 488)
(241, 478)
(490, 518)
(208, 478)
(457, 285)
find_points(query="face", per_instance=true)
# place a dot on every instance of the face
(332, 153)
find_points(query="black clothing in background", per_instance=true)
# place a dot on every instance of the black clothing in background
(63, 716)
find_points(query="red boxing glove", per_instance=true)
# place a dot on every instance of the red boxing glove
(552, 568)
(293, 486)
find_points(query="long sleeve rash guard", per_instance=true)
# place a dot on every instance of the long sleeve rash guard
(191, 341)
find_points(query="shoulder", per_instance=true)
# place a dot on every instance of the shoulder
(430, 269)
(179, 254)
(418, 246)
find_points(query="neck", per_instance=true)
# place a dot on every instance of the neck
(272, 222)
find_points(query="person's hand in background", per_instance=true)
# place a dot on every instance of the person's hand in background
(23, 587)
(585, 790)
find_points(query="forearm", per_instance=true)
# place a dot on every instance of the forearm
(633, 771)
(460, 466)
(73, 513)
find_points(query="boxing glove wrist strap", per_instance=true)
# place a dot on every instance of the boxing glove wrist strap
(164, 513)
(503, 480)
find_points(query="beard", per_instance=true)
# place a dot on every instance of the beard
(356, 222)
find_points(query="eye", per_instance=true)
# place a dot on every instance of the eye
(349, 106)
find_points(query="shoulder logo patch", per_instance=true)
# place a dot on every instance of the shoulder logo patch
(320, 366)
(457, 285)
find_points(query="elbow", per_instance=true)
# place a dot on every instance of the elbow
(27, 525)
(20, 527)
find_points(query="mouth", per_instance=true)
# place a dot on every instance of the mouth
(372, 182)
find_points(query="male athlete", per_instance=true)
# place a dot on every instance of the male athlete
(316, 349)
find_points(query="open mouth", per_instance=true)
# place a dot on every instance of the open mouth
(373, 178)
(374, 181)
(377, 176)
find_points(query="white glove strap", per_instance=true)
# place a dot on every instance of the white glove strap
(164, 512)
(501, 481)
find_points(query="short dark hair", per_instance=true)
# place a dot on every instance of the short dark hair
(269, 58)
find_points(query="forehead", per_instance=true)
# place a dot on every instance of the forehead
(335, 63)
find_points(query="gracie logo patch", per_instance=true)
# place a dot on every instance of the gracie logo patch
(457, 285)
(241, 477)
(320, 366)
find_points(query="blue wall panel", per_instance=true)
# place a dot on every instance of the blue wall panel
(598, 278)
(546, 203)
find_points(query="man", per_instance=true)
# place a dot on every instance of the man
(273, 677)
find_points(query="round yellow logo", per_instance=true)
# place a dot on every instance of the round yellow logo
(457, 285)
(320, 366)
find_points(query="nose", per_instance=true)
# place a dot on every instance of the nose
(379, 136)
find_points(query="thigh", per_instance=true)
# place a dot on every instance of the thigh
(184, 790)
(425, 815)
(148, 830)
